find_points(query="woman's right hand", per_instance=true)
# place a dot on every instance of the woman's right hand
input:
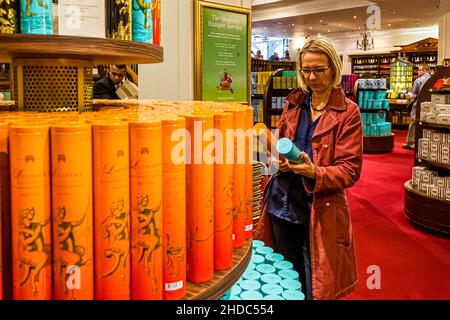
(282, 165)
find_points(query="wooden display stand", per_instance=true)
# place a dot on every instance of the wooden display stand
(430, 214)
(54, 73)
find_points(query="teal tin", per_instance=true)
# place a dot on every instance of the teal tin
(288, 274)
(251, 295)
(142, 27)
(283, 265)
(289, 150)
(251, 275)
(271, 258)
(250, 285)
(36, 17)
(270, 278)
(235, 291)
(264, 250)
(257, 259)
(251, 266)
(291, 284)
(293, 295)
(273, 297)
(235, 298)
(271, 289)
(265, 268)
(258, 244)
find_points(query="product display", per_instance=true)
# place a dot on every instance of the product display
(262, 280)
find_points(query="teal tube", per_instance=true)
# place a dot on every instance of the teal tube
(36, 17)
(142, 30)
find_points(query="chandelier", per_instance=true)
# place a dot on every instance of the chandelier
(365, 43)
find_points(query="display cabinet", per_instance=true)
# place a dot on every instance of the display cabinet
(428, 206)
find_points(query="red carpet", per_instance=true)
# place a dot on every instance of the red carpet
(414, 264)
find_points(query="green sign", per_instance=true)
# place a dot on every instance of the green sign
(224, 55)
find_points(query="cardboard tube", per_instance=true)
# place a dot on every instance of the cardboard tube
(200, 197)
(146, 210)
(111, 210)
(30, 209)
(223, 194)
(73, 252)
(174, 207)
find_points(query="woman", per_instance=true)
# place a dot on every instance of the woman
(305, 215)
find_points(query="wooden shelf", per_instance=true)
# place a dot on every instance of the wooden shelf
(428, 125)
(434, 164)
(431, 214)
(222, 280)
(373, 110)
(100, 51)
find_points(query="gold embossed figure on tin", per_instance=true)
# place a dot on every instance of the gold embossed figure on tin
(118, 15)
(9, 22)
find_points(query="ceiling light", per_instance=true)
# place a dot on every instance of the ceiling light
(394, 12)
(329, 30)
(310, 28)
(340, 25)
(279, 22)
(354, 17)
(321, 20)
(293, 24)
(389, 24)
(284, 30)
(265, 28)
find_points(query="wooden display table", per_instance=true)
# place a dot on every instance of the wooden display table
(383, 144)
(54, 73)
(428, 213)
(223, 280)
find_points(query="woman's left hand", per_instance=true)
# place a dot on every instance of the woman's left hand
(306, 169)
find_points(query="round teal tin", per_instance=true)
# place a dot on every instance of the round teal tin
(283, 265)
(251, 266)
(257, 259)
(271, 289)
(288, 274)
(273, 297)
(270, 278)
(257, 244)
(293, 295)
(290, 284)
(251, 295)
(288, 149)
(250, 285)
(235, 290)
(264, 250)
(274, 257)
(251, 275)
(265, 268)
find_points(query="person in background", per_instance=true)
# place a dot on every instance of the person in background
(274, 56)
(2, 97)
(106, 87)
(259, 55)
(305, 215)
(286, 56)
(423, 73)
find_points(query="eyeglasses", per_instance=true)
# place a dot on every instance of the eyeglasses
(317, 71)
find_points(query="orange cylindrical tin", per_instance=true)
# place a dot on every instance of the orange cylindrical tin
(5, 214)
(249, 173)
(174, 207)
(223, 192)
(30, 210)
(239, 205)
(146, 210)
(200, 197)
(111, 210)
(72, 206)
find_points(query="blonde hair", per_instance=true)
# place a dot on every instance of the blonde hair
(323, 46)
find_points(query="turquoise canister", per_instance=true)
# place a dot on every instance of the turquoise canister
(283, 265)
(36, 17)
(273, 297)
(251, 275)
(291, 284)
(250, 285)
(271, 258)
(271, 289)
(293, 295)
(264, 251)
(235, 291)
(142, 29)
(265, 268)
(251, 266)
(251, 295)
(270, 278)
(289, 150)
(257, 259)
(258, 244)
(235, 298)
(288, 274)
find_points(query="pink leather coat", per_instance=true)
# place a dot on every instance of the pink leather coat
(337, 152)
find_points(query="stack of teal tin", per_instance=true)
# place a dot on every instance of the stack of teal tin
(375, 125)
(267, 277)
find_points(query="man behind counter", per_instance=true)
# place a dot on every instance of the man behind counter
(106, 87)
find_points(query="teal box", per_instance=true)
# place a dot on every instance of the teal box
(368, 119)
(377, 104)
(369, 104)
(370, 95)
(142, 29)
(386, 104)
(36, 18)
(380, 95)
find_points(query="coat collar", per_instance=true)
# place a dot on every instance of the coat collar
(336, 102)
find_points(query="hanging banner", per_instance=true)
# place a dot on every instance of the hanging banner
(222, 52)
